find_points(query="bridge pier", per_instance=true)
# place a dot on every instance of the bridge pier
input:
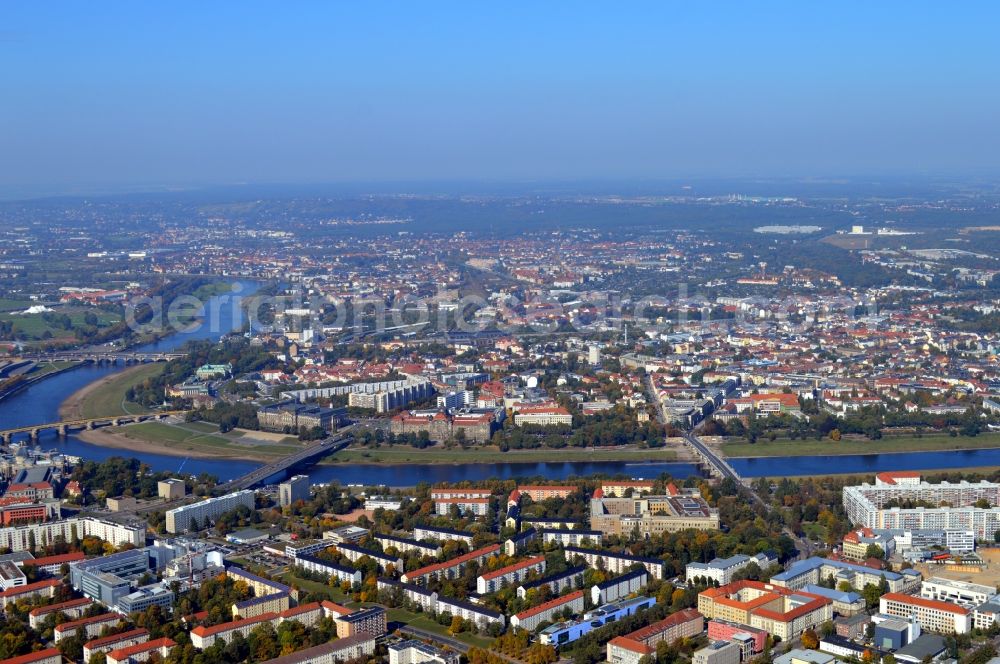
(90, 425)
(6, 439)
(116, 422)
(62, 430)
(34, 435)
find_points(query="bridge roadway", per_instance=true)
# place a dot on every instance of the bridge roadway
(101, 356)
(322, 448)
(64, 426)
(717, 463)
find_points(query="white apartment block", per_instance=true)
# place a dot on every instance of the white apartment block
(475, 506)
(534, 617)
(932, 615)
(179, 519)
(572, 537)
(866, 505)
(506, 576)
(19, 538)
(616, 563)
(424, 533)
(722, 570)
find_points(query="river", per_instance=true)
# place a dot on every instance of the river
(40, 403)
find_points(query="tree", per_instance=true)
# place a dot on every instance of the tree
(810, 640)
(874, 551)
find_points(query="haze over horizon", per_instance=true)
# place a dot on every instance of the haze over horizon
(126, 96)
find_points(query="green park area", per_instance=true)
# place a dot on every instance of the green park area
(107, 397)
(492, 454)
(204, 439)
(886, 445)
(59, 325)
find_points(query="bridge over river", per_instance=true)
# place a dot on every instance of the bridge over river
(65, 426)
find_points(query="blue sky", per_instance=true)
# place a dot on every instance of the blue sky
(159, 94)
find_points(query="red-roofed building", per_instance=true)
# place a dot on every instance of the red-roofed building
(141, 652)
(47, 656)
(539, 492)
(203, 637)
(549, 415)
(450, 569)
(509, 575)
(46, 588)
(933, 615)
(115, 642)
(632, 647)
(774, 609)
(532, 618)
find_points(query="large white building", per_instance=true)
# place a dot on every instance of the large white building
(22, 538)
(721, 570)
(878, 506)
(957, 592)
(931, 614)
(180, 519)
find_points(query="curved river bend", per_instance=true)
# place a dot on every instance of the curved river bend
(40, 404)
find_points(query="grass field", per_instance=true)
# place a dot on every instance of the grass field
(929, 443)
(490, 454)
(51, 367)
(35, 326)
(15, 305)
(109, 398)
(202, 438)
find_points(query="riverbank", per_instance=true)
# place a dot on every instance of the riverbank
(401, 454)
(192, 439)
(106, 397)
(37, 375)
(888, 445)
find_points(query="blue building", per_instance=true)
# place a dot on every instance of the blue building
(569, 631)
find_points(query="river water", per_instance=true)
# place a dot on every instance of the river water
(40, 403)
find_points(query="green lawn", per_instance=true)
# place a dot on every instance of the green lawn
(490, 454)
(928, 443)
(184, 437)
(814, 531)
(109, 398)
(35, 326)
(15, 305)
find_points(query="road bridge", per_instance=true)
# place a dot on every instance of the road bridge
(305, 455)
(98, 357)
(65, 426)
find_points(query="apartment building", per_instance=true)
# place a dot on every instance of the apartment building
(722, 570)
(197, 515)
(115, 642)
(450, 569)
(542, 416)
(73, 609)
(616, 563)
(294, 490)
(571, 537)
(405, 545)
(539, 492)
(370, 621)
(354, 553)
(876, 506)
(509, 575)
(465, 506)
(425, 533)
(141, 652)
(632, 647)
(349, 649)
(532, 618)
(46, 588)
(418, 652)
(90, 627)
(557, 583)
(265, 604)
(19, 538)
(321, 566)
(932, 615)
(204, 637)
(618, 587)
(855, 544)
(623, 488)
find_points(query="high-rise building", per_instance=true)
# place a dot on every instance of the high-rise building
(295, 489)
